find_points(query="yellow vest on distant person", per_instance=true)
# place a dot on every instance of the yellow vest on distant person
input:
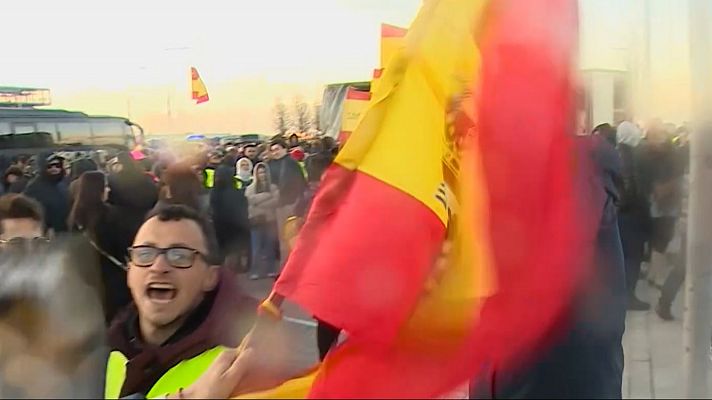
(209, 182)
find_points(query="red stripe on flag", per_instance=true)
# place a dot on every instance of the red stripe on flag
(355, 94)
(202, 99)
(363, 255)
(541, 235)
(392, 31)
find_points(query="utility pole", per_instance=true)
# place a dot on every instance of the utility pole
(698, 286)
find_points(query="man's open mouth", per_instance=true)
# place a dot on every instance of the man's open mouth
(161, 292)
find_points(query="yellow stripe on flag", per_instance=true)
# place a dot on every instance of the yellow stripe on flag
(435, 67)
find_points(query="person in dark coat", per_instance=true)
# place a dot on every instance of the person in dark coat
(287, 175)
(14, 180)
(79, 167)
(634, 210)
(50, 189)
(108, 233)
(229, 210)
(585, 360)
(131, 191)
(662, 168)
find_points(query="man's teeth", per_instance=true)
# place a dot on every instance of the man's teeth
(161, 286)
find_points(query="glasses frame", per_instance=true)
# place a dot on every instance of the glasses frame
(162, 251)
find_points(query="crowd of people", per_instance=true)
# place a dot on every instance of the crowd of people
(247, 192)
(160, 224)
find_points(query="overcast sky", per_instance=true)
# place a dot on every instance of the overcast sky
(132, 56)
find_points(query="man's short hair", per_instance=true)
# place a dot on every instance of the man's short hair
(178, 212)
(279, 141)
(17, 206)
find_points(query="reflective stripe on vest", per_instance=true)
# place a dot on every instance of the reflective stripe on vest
(304, 169)
(180, 376)
(209, 178)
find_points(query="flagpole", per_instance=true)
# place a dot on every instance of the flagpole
(698, 287)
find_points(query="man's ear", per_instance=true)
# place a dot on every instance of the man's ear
(211, 280)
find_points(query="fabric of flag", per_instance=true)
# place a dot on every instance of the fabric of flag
(199, 91)
(355, 104)
(541, 226)
(465, 142)
(377, 73)
(365, 255)
(392, 41)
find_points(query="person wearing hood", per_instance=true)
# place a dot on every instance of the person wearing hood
(244, 168)
(186, 309)
(130, 188)
(263, 199)
(131, 192)
(50, 189)
(229, 210)
(633, 210)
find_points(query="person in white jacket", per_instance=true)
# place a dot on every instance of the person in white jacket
(263, 199)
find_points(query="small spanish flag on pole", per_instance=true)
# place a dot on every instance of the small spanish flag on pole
(392, 40)
(200, 92)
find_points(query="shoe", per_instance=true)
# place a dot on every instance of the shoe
(254, 277)
(273, 275)
(663, 312)
(635, 304)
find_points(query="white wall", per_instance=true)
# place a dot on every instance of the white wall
(613, 37)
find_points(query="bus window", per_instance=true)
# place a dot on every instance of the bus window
(5, 128)
(74, 131)
(109, 128)
(48, 127)
(19, 128)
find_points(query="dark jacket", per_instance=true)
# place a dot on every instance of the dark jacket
(222, 319)
(229, 209)
(112, 236)
(288, 177)
(585, 360)
(53, 193)
(660, 166)
(633, 198)
(19, 185)
(317, 164)
(133, 194)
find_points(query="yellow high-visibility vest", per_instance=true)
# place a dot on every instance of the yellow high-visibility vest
(188, 371)
(209, 174)
(303, 168)
(180, 376)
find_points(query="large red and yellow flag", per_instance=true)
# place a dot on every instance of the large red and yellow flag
(467, 138)
(198, 89)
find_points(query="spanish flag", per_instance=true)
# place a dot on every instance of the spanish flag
(392, 41)
(200, 92)
(446, 237)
